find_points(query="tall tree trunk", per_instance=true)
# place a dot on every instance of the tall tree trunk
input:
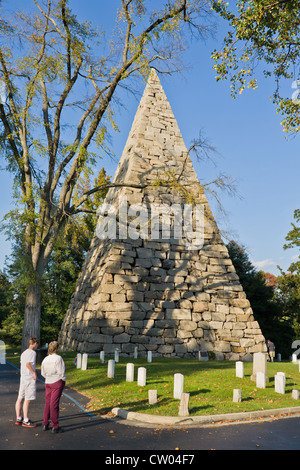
(32, 318)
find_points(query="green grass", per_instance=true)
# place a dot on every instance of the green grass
(210, 385)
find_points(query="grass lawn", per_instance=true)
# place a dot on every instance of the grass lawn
(210, 385)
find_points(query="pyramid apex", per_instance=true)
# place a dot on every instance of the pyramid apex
(154, 135)
(153, 75)
(153, 79)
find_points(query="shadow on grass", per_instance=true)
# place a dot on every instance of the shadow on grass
(198, 392)
(248, 399)
(143, 405)
(197, 409)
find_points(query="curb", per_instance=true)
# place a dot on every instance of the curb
(229, 418)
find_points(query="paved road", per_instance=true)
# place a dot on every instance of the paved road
(83, 431)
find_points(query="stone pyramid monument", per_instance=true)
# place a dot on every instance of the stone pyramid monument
(144, 282)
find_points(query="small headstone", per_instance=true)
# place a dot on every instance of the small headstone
(2, 353)
(102, 356)
(78, 363)
(130, 372)
(237, 395)
(279, 357)
(135, 354)
(203, 356)
(152, 397)
(184, 405)
(178, 386)
(239, 369)
(294, 358)
(260, 380)
(111, 369)
(295, 394)
(117, 351)
(84, 361)
(283, 375)
(259, 365)
(280, 382)
(149, 356)
(141, 379)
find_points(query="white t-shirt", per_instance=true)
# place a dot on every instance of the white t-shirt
(53, 369)
(27, 356)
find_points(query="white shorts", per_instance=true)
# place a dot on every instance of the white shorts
(27, 389)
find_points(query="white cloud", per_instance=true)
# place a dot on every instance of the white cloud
(265, 264)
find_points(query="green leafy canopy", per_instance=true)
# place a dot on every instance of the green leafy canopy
(267, 32)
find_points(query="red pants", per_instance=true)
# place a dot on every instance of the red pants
(52, 397)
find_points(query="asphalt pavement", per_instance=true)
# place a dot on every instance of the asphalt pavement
(121, 441)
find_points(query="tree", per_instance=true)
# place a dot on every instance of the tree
(271, 280)
(266, 31)
(61, 75)
(266, 303)
(60, 276)
(289, 283)
(6, 297)
(57, 285)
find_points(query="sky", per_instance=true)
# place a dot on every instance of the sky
(246, 132)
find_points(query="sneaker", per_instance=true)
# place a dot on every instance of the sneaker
(56, 430)
(28, 424)
(19, 421)
(45, 427)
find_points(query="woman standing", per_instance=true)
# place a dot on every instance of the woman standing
(53, 369)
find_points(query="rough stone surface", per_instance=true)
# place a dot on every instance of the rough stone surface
(184, 405)
(155, 294)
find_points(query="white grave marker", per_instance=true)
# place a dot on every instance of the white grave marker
(78, 362)
(152, 397)
(149, 356)
(84, 361)
(102, 356)
(184, 405)
(280, 382)
(111, 369)
(260, 380)
(141, 379)
(259, 365)
(294, 358)
(239, 369)
(237, 395)
(130, 372)
(178, 386)
(117, 351)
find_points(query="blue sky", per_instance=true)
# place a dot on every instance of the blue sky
(252, 147)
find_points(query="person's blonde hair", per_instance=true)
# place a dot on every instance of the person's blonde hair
(53, 347)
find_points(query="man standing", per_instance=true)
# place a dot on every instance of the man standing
(271, 350)
(27, 390)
